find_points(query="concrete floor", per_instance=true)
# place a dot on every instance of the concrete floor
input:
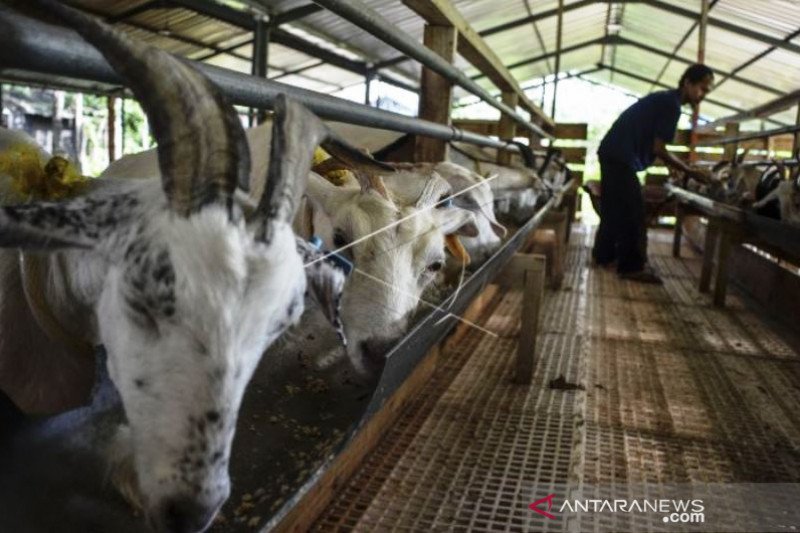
(670, 392)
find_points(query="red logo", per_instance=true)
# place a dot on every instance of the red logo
(535, 506)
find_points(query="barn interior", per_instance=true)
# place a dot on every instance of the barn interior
(522, 386)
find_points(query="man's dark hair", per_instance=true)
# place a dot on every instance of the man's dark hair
(696, 73)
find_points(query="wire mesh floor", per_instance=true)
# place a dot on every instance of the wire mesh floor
(670, 390)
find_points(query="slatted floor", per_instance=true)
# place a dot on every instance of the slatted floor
(672, 391)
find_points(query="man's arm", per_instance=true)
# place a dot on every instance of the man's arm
(660, 150)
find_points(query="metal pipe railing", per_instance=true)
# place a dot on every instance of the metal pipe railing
(30, 45)
(369, 20)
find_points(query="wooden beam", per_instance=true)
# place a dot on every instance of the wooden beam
(731, 130)
(559, 28)
(796, 140)
(569, 130)
(507, 128)
(111, 100)
(475, 50)
(526, 272)
(701, 58)
(481, 126)
(436, 93)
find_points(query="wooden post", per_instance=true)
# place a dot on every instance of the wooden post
(111, 100)
(731, 130)
(712, 233)
(701, 58)
(121, 133)
(78, 131)
(560, 248)
(436, 93)
(676, 239)
(796, 140)
(58, 112)
(533, 140)
(559, 28)
(723, 255)
(507, 128)
(533, 294)
(367, 86)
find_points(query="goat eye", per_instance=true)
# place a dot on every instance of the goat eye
(339, 239)
(436, 266)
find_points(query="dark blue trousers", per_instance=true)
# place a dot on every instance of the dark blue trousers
(622, 235)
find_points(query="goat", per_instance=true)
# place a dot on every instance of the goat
(787, 194)
(394, 235)
(184, 290)
(517, 190)
(471, 192)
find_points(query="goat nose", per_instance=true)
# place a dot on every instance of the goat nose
(186, 515)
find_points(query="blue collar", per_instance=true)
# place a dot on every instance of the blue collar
(335, 258)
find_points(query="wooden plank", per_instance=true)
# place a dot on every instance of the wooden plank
(481, 126)
(475, 50)
(571, 130)
(563, 130)
(783, 143)
(506, 127)
(436, 94)
(682, 137)
(574, 154)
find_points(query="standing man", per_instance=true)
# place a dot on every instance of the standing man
(636, 138)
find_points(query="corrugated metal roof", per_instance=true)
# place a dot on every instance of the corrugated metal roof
(187, 33)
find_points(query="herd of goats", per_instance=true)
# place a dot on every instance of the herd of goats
(772, 192)
(187, 262)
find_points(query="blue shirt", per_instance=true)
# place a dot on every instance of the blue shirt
(631, 137)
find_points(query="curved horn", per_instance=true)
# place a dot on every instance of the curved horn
(295, 133)
(202, 150)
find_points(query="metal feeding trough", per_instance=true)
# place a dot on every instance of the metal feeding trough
(294, 421)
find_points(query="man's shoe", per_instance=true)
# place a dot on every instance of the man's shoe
(646, 275)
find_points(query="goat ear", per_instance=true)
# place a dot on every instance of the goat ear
(366, 169)
(79, 223)
(499, 229)
(325, 284)
(719, 165)
(353, 158)
(457, 221)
